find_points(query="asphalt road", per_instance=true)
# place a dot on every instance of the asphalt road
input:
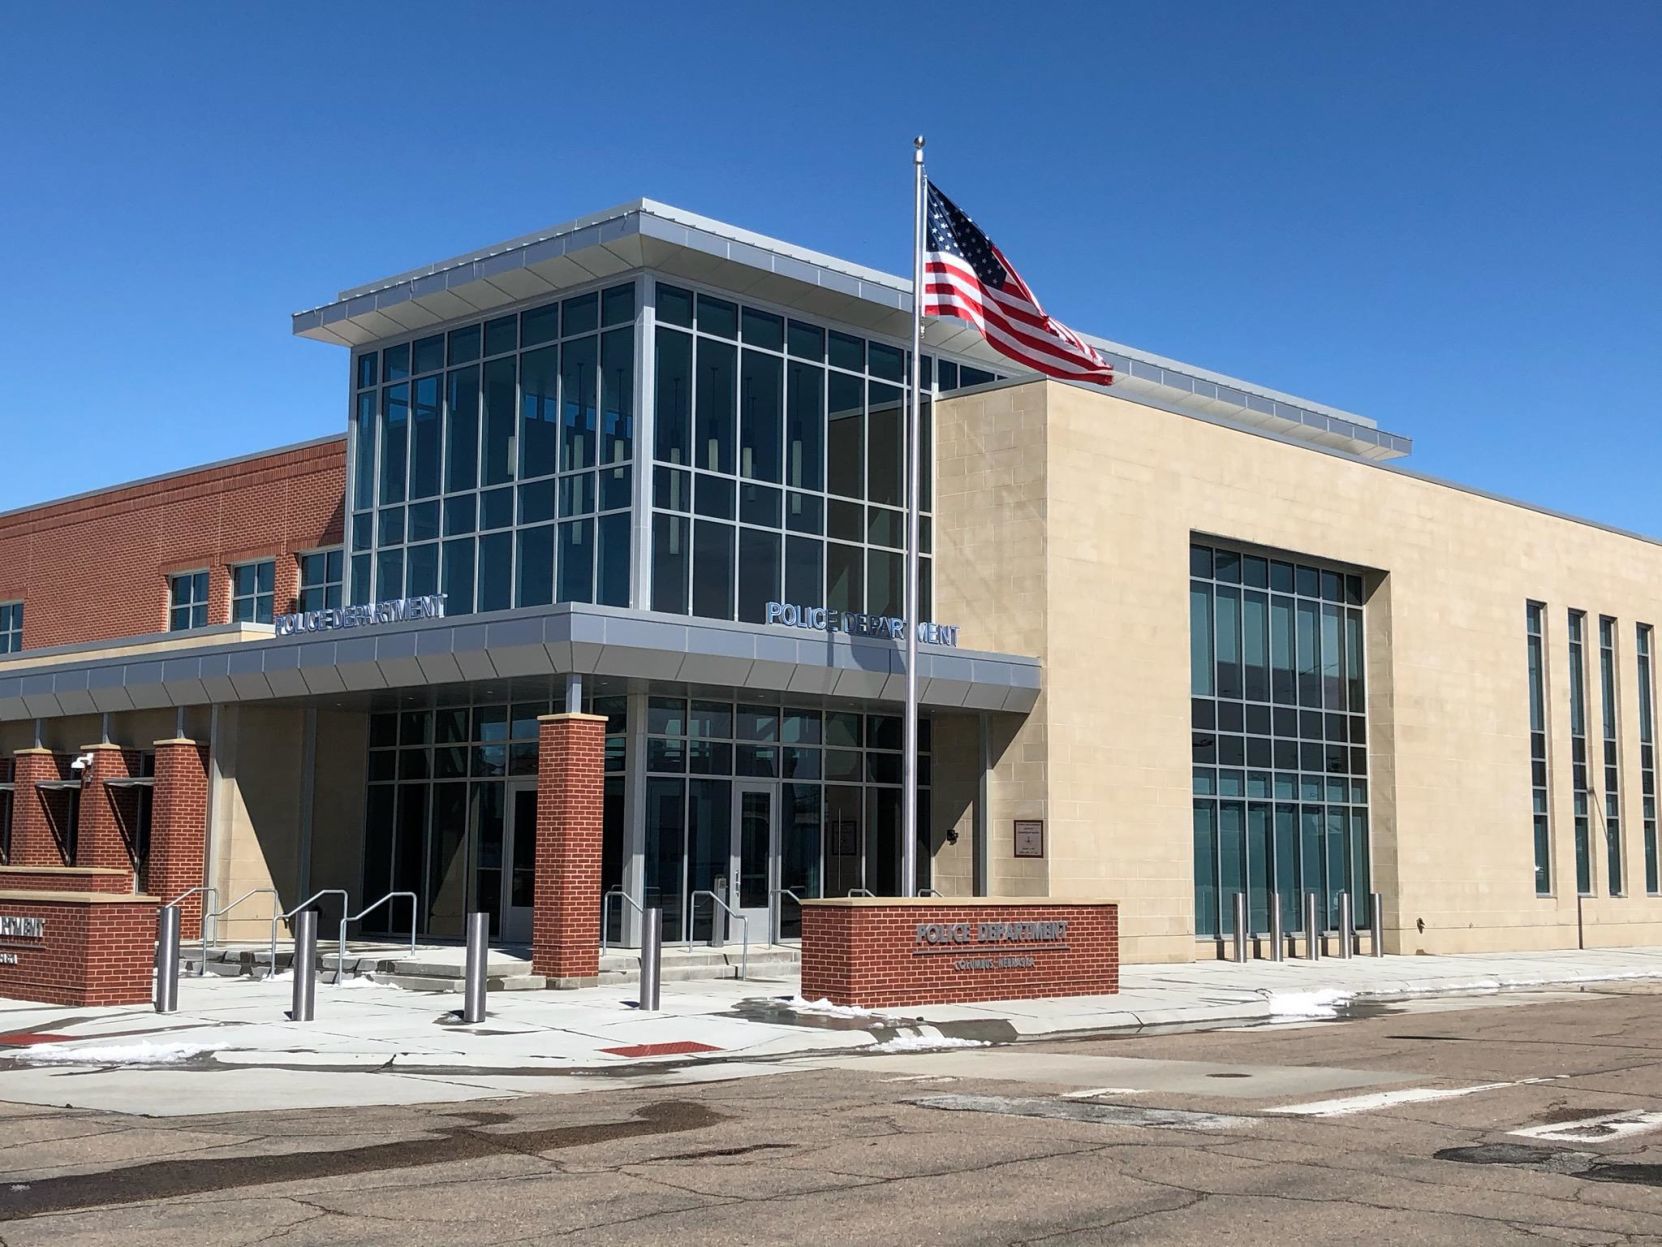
(1492, 1120)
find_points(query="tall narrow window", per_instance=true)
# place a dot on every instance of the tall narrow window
(1578, 752)
(1538, 749)
(11, 627)
(1612, 757)
(1647, 756)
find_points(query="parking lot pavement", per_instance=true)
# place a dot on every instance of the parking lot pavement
(230, 1048)
(1499, 1119)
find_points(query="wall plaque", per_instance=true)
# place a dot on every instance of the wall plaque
(1030, 837)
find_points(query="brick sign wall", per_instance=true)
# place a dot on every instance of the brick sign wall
(67, 948)
(64, 879)
(881, 953)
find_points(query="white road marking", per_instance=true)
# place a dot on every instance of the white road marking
(1085, 1095)
(921, 1078)
(1390, 1099)
(1604, 1127)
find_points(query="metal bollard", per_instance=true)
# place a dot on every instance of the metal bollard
(305, 966)
(167, 959)
(652, 958)
(1376, 923)
(1278, 939)
(1312, 927)
(1347, 932)
(1240, 927)
(478, 954)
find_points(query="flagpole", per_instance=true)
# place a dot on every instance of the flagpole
(909, 792)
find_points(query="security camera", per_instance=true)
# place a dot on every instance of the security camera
(81, 763)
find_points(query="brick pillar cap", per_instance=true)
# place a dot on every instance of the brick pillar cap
(37, 749)
(569, 716)
(103, 744)
(175, 740)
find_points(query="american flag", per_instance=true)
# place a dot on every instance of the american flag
(966, 275)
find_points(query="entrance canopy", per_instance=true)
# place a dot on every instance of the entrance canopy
(538, 641)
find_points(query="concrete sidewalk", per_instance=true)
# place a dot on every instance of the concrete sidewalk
(230, 1047)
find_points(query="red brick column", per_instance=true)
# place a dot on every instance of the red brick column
(179, 830)
(565, 920)
(33, 841)
(107, 814)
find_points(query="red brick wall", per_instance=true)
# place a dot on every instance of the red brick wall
(92, 952)
(178, 830)
(565, 919)
(108, 815)
(96, 568)
(65, 879)
(34, 812)
(879, 955)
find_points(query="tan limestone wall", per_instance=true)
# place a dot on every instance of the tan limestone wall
(1063, 523)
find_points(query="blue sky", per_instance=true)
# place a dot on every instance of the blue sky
(1443, 217)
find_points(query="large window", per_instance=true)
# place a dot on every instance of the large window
(839, 799)
(252, 587)
(1581, 791)
(1280, 729)
(1647, 753)
(493, 463)
(1612, 757)
(11, 627)
(320, 580)
(1534, 614)
(779, 473)
(437, 805)
(188, 601)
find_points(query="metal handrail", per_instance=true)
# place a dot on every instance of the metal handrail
(931, 892)
(779, 914)
(606, 910)
(345, 900)
(213, 893)
(692, 912)
(369, 909)
(861, 892)
(208, 918)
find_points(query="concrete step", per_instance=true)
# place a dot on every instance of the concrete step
(433, 983)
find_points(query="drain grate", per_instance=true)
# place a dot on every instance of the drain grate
(1078, 1110)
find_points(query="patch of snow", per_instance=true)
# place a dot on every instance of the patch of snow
(926, 1043)
(825, 1008)
(1317, 1004)
(144, 1052)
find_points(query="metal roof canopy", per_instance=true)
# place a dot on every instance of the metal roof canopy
(533, 642)
(651, 235)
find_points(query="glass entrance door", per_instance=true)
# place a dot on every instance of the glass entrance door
(519, 879)
(755, 858)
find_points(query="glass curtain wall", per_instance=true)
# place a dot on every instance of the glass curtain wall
(1279, 714)
(493, 463)
(1578, 753)
(1647, 754)
(779, 473)
(1612, 757)
(1540, 803)
(839, 803)
(437, 803)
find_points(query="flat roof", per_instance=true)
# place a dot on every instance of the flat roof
(647, 234)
